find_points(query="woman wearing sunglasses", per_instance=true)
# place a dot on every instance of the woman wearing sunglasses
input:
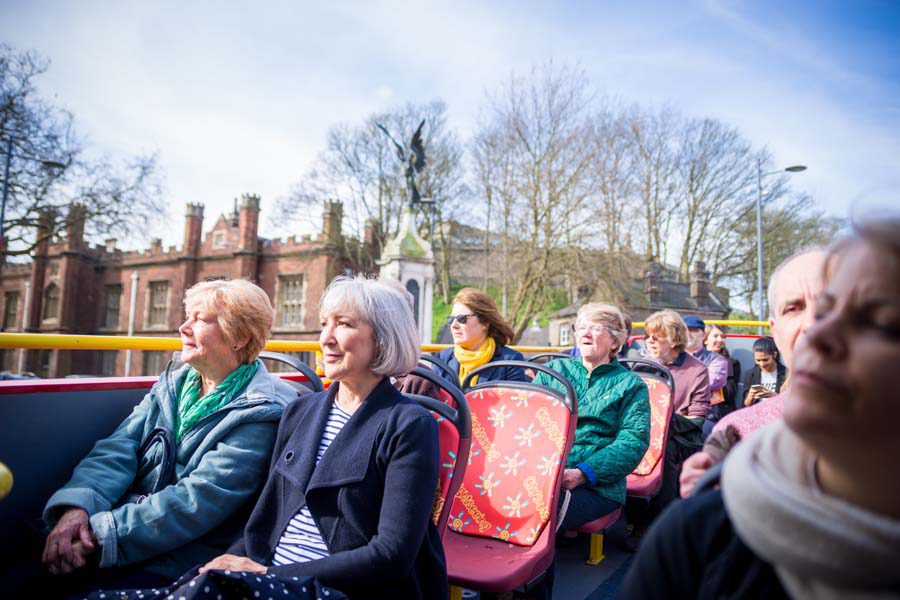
(480, 336)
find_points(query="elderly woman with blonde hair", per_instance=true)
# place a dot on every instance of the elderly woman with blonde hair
(613, 429)
(128, 518)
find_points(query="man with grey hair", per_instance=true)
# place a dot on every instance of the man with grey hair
(793, 288)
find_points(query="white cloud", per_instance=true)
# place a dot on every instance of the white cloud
(239, 98)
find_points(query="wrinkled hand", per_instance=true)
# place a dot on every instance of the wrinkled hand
(230, 562)
(70, 543)
(692, 469)
(572, 478)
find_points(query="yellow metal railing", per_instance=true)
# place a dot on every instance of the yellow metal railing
(44, 341)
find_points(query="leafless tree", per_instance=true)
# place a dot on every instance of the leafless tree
(540, 141)
(50, 169)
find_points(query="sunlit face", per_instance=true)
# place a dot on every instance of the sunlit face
(203, 343)
(695, 339)
(659, 345)
(799, 283)
(715, 341)
(348, 347)
(844, 395)
(765, 361)
(471, 334)
(594, 341)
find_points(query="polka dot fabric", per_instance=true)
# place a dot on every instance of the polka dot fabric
(229, 585)
(518, 441)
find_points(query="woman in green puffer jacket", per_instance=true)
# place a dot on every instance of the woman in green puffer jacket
(613, 429)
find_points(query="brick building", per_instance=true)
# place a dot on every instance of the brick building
(659, 288)
(73, 287)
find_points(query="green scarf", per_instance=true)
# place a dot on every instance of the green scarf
(192, 408)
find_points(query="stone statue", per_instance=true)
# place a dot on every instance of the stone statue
(414, 159)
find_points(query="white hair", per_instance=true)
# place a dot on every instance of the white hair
(773, 278)
(385, 306)
(612, 319)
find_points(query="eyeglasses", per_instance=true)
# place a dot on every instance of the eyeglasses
(461, 319)
(595, 329)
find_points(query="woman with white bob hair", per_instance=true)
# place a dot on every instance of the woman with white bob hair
(131, 518)
(353, 475)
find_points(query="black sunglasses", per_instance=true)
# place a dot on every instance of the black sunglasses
(461, 319)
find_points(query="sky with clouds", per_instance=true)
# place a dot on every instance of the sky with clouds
(238, 97)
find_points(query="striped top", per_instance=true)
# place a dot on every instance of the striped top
(301, 540)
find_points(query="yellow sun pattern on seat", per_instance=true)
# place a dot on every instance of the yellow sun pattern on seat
(515, 459)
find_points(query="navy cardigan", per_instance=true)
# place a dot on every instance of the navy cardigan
(495, 374)
(371, 496)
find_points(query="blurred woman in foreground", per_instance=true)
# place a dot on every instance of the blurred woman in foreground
(808, 507)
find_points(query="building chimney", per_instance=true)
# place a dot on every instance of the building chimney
(193, 229)
(700, 284)
(370, 233)
(111, 244)
(653, 281)
(248, 223)
(45, 228)
(156, 246)
(332, 214)
(75, 226)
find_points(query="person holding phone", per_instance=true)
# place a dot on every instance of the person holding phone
(767, 376)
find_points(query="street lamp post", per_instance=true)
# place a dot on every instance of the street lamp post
(759, 246)
(9, 147)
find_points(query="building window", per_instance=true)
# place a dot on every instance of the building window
(290, 300)
(159, 294)
(111, 310)
(108, 362)
(51, 302)
(565, 334)
(10, 310)
(219, 240)
(154, 362)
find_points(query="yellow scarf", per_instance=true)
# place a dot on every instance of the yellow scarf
(469, 360)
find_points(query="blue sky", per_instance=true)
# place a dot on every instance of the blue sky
(238, 98)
